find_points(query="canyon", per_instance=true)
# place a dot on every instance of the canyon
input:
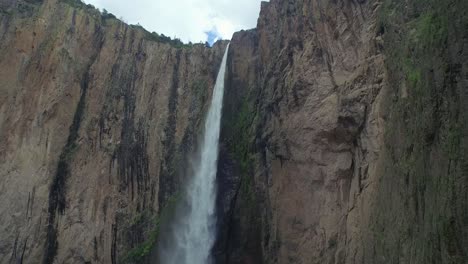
(344, 134)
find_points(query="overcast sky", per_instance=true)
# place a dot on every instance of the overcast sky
(189, 20)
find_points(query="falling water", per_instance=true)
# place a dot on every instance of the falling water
(193, 232)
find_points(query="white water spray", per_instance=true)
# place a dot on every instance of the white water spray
(194, 231)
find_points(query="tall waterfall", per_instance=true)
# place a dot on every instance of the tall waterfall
(193, 232)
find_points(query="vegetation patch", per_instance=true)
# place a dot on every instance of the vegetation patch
(25, 9)
(200, 87)
(78, 4)
(106, 15)
(161, 38)
(5, 11)
(431, 29)
(239, 145)
(139, 253)
(151, 36)
(425, 145)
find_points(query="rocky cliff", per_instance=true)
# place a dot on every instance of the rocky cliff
(355, 148)
(96, 118)
(344, 133)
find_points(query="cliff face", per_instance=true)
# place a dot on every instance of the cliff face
(95, 122)
(344, 133)
(353, 134)
(313, 104)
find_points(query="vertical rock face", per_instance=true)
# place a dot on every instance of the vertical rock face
(95, 122)
(318, 85)
(350, 144)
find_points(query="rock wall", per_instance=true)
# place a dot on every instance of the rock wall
(351, 134)
(96, 119)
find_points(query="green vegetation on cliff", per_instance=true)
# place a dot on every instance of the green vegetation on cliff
(427, 153)
(151, 36)
(240, 144)
(140, 252)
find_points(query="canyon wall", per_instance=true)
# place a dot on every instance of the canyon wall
(353, 124)
(344, 133)
(96, 119)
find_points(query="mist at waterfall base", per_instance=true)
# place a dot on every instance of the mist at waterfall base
(190, 234)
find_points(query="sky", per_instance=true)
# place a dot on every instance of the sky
(188, 20)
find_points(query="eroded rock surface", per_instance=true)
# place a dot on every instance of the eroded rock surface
(95, 122)
(353, 109)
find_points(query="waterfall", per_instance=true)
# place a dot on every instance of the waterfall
(193, 232)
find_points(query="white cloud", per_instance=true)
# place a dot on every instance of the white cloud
(188, 20)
